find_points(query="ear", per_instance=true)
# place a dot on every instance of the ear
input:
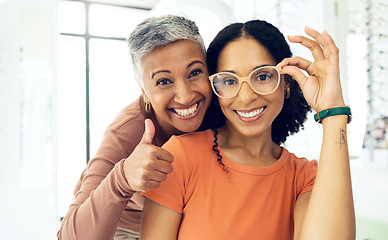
(287, 80)
(287, 86)
(145, 97)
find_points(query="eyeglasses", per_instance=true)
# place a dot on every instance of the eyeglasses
(264, 80)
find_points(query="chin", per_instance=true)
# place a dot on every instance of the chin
(187, 128)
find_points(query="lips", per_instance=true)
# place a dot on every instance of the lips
(186, 112)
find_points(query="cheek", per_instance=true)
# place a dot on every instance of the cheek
(207, 91)
(278, 99)
(203, 86)
(279, 93)
(224, 104)
(159, 100)
(278, 96)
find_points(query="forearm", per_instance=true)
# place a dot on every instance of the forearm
(330, 213)
(97, 217)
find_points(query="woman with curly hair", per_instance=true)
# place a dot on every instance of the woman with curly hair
(237, 181)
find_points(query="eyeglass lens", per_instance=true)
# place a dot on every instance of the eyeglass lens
(262, 80)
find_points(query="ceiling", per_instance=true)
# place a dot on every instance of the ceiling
(131, 3)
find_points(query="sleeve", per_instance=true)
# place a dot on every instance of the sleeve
(309, 172)
(171, 192)
(103, 192)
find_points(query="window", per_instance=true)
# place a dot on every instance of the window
(95, 81)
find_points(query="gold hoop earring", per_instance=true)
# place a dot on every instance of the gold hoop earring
(287, 92)
(148, 107)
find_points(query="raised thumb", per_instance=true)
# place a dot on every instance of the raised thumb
(149, 131)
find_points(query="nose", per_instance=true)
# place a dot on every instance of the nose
(184, 93)
(246, 93)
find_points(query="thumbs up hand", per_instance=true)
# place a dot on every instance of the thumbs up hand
(148, 165)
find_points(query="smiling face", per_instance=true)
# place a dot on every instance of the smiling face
(176, 84)
(250, 113)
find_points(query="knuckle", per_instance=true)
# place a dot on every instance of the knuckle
(143, 178)
(149, 163)
(149, 150)
(144, 183)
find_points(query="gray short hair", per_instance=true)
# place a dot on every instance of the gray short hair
(155, 32)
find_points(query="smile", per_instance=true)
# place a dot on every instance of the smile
(187, 111)
(250, 114)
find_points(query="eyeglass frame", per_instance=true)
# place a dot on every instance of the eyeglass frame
(246, 79)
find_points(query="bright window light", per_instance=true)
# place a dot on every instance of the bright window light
(111, 84)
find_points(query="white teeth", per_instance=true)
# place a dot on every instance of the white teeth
(250, 114)
(186, 112)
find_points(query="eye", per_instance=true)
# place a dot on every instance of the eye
(163, 82)
(229, 81)
(195, 72)
(263, 76)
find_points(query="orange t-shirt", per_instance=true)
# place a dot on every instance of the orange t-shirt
(246, 203)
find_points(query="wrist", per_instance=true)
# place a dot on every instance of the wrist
(335, 120)
(337, 111)
(129, 188)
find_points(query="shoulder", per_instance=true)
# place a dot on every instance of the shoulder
(304, 172)
(193, 140)
(130, 115)
(191, 146)
(299, 162)
(124, 133)
(128, 126)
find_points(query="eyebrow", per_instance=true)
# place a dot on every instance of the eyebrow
(194, 62)
(264, 65)
(168, 71)
(161, 71)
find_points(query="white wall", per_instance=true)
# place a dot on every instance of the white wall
(27, 173)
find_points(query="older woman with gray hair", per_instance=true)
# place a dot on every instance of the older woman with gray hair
(168, 55)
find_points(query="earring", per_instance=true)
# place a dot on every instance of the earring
(148, 107)
(287, 92)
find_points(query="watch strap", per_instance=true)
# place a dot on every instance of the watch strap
(318, 117)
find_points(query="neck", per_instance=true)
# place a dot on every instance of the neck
(256, 150)
(163, 132)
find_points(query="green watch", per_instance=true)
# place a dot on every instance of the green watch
(332, 112)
